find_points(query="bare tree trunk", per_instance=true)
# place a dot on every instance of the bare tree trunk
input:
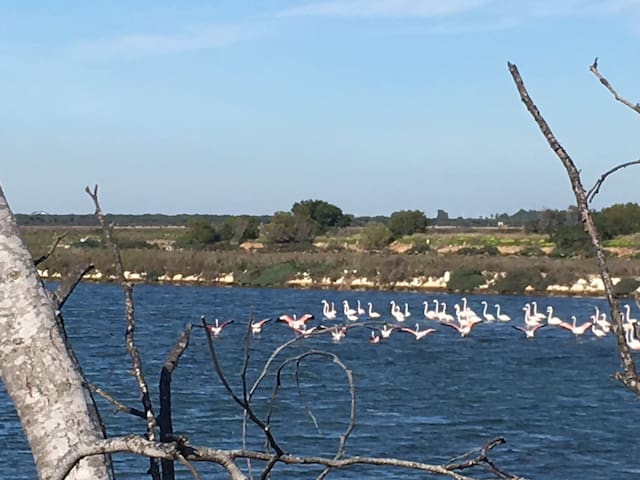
(39, 369)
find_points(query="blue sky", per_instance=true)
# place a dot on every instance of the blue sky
(373, 105)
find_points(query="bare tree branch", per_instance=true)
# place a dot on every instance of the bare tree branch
(68, 285)
(245, 405)
(629, 377)
(118, 407)
(226, 458)
(127, 287)
(596, 188)
(164, 417)
(481, 460)
(52, 249)
(605, 82)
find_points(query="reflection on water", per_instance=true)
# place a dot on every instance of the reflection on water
(552, 397)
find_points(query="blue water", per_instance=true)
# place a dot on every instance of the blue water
(551, 398)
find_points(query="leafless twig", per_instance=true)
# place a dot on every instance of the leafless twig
(52, 249)
(596, 188)
(107, 231)
(68, 285)
(245, 405)
(118, 407)
(480, 460)
(608, 86)
(629, 377)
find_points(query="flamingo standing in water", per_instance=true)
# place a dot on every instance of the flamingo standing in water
(372, 314)
(374, 339)
(360, 310)
(328, 313)
(430, 314)
(503, 317)
(350, 313)
(488, 317)
(396, 313)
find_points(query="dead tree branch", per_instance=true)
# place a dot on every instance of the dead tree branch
(107, 231)
(68, 285)
(629, 376)
(480, 460)
(245, 405)
(164, 416)
(608, 86)
(52, 249)
(226, 458)
(596, 188)
(118, 407)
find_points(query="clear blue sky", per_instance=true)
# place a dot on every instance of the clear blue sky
(373, 105)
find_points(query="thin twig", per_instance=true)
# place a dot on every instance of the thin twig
(596, 188)
(117, 406)
(630, 376)
(481, 460)
(254, 418)
(52, 249)
(608, 86)
(68, 285)
(107, 231)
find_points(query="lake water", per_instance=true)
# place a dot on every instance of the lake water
(551, 398)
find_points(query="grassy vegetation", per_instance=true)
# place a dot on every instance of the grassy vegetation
(475, 264)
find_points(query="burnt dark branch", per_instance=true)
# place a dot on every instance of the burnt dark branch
(118, 407)
(52, 249)
(626, 357)
(596, 188)
(594, 69)
(68, 285)
(165, 421)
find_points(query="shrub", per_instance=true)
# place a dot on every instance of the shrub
(517, 280)
(626, 286)
(275, 275)
(375, 236)
(465, 280)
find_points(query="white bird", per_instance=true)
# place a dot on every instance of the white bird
(443, 316)
(503, 317)
(488, 317)
(464, 329)
(372, 313)
(551, 319)
(360, 310)
(350, 313)
(629, 333)
(430, 314)
(407, 313)
(386, 331)
(396, 313)
(328, 313)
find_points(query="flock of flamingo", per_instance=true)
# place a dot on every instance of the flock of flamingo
(463, 320)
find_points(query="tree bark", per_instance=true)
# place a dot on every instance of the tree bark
(38, 368)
